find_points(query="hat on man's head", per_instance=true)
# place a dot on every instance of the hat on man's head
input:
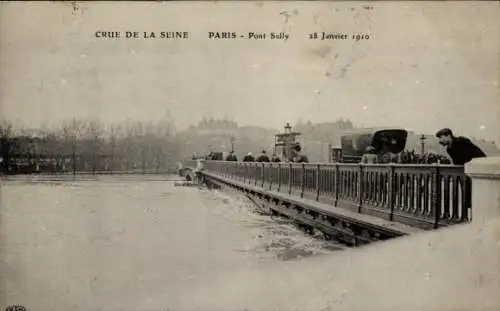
(444, 132)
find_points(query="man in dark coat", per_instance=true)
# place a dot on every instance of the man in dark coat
(460, 149)
(298, 155)
(231, 157)
(262, 157)
(275, 158)
(249, 158)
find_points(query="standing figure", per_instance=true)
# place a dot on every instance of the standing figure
(370, 157)
(231, 157)
(275, 158)
(249, 158)
(262, 157)
(298, 156)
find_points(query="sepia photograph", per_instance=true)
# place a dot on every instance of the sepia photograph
(249, 156)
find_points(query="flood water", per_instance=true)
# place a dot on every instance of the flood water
(131, 242)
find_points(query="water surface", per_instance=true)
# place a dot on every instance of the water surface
(131, 242)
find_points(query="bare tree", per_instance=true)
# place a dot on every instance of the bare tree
(113, 132)
(72, 132)
(85, 144)
(5, 144)
(95, 132)
(6, 128)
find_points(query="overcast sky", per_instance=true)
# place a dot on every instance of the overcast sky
(426, 66)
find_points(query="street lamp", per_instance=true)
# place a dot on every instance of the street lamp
(422, 144)
(288, 128)
(232, 144)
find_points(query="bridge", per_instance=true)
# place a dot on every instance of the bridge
(354, 203)
(459, 262)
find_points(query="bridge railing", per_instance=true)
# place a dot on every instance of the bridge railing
(426, 196)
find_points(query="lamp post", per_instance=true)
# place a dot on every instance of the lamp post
(422, 144)
(232, 144)
(288, 128)
(288, 138)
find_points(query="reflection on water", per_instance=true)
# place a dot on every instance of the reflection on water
(125, 242)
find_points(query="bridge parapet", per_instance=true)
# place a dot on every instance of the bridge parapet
(485, 174)
(424, 196)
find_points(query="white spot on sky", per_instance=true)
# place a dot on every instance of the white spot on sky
(255, 66)
(390, 83)
(317, 92)
(83, 56)
(63, 82)
(482, 127)
(365, 108)
(417, 82)
(132, 51)
(495, 83)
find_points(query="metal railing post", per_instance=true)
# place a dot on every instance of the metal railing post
(391, 190)
(290, 178)
(279, 177)
(361, 187)
(256, 178)
(262, 174)
(318, 167)
(270, 175)
(303, 180)
(436, 196)
(337, 184)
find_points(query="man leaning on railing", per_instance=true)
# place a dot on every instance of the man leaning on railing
(461, 151)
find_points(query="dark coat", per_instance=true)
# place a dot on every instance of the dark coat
(231, 157)
(275, 159)
(462, 150)
(248, 158)
(262, 158)
(300, 158)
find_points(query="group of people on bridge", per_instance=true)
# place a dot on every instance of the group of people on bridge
(405, 157)
(460, 150)
(297, 156)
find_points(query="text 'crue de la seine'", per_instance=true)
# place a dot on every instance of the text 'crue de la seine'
(142, 34)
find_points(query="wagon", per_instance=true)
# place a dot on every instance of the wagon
(384, 140)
